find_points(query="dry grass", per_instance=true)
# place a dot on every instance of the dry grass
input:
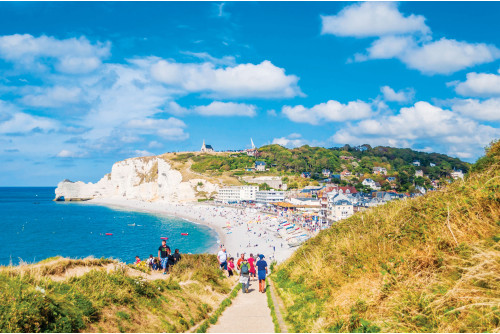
(107, 296)
(428, 264)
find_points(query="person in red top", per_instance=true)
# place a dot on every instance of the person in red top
(241, 259)
(251, 261)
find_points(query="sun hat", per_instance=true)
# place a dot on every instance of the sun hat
(261, 256)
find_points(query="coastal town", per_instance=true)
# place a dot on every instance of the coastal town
(303, 212)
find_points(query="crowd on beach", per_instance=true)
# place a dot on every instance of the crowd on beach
(248, 268)
(164, 261)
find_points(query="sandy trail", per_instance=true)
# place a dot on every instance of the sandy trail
(248, 313)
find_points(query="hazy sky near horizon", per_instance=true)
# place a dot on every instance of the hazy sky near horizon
(85, 84)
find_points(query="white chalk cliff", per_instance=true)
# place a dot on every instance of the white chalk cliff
(146, 179)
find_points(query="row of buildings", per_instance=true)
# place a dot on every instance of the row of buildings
(238, 194)
(325, 204)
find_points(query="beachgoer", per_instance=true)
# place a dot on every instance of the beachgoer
(230, 267)
(150, 261)
(245, 275)
(241, 259)
(163, 253)
(156, 264)
(137, 260)
(177, 256)
(262, 271)
(222, 257)
(251, 261)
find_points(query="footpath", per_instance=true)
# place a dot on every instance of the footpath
(248, 313)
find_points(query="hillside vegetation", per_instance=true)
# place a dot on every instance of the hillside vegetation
(102, 295)
(430, 264)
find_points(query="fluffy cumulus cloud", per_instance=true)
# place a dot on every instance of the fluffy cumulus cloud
(480, 84)
(72, 55)
(401, 96)
(485, 110)
(263, 80)
(406, 38)
(368, 19)
(290, 141)
(424, 124)
(331, 111)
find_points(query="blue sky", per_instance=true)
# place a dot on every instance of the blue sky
(86, 84)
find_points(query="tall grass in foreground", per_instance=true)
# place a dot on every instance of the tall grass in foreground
(430, 264)
(114, 299)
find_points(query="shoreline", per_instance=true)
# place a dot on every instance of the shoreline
(239, 230)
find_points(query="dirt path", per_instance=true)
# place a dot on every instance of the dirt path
(248, 313)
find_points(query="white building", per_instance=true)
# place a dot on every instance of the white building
(339, 207)
(237, 194)
(457, 174)
(379, 171)
(269, 196)
(370, 183)
(206, 148)
(419, 173)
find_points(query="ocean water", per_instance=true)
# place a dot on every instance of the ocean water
(33, 228)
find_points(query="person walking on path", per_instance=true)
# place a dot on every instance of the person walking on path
(222, 257)
(177, 256)
(230, 267)
(163, 255)
(262, 271)
(245, 275)
(251, 261)
(241, 259)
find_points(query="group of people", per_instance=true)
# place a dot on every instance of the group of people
(255, 267)
(165, 259)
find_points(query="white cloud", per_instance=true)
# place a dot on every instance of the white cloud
(244, 80)
(142, 153)
(447, 56)
(487, 110)
(406, 38)
(53, 97)
(217, 108)
(155, 144)
(170, 129)
(372, 19)
(13, 121)
(388, 47)
(479, 84)
(290, 141)
(72, 55)
(422, 124)
(331, 111)
(226, 60)
(444, 56)
(70, 154)
(401, 96)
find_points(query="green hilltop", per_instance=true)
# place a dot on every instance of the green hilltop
(359, 161)
(430, 264)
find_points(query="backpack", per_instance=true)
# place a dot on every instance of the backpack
(245, 268)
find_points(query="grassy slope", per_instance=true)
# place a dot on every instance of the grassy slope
(426, 265)
(117, 300)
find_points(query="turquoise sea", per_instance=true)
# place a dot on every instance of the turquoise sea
(33, 228)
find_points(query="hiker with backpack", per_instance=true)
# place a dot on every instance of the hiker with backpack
(245, 275)
(262, 271)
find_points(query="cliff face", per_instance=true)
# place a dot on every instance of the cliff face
(147, 179)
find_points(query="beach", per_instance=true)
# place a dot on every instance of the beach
(239, 230)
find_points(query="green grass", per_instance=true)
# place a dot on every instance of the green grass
(32, 301)
(271, 306)
(429, 264)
